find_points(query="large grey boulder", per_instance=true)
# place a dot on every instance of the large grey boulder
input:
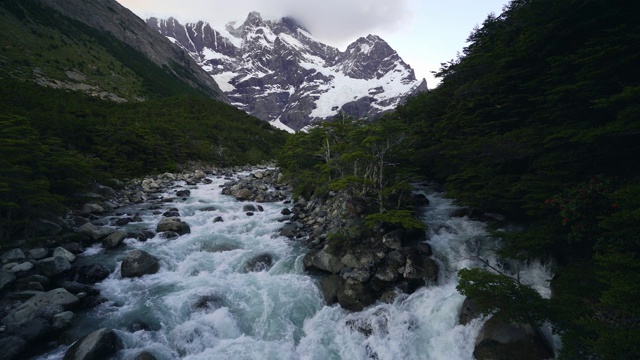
(243, 194)
(14, 255)
(101, 233)
(100, 344)
(325, 262)
(418, 266)
(93, 273)
(173, 224)
(38, 253)
(43, 304)
(139, 263)
(87, 228)
(149, 185)
(355, 296)
(60, 251)
(25, 266)
(53, 266)
(359, 275)
(114, 240)
(92, 209)
(499, 340)
(387, 273)
(249, 207)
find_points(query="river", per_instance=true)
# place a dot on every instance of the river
(204, 304)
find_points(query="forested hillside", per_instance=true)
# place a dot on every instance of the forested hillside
(53, 142)
(537, 119)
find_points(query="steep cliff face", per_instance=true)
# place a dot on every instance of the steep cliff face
(276, 70)
(96, 47)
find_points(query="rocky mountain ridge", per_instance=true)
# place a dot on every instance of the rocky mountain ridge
(97, 47)
(277, 71)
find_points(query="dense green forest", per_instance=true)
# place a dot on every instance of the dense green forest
(537, 119)
(53, 142)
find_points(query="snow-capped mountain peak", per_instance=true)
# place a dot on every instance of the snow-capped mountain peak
(277, 71)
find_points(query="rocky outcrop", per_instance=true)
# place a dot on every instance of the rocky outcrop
(369, 265)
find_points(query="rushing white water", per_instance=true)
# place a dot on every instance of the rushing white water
(279, 313)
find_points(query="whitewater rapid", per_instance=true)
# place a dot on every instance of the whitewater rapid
(278, 313)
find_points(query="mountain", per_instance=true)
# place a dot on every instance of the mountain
(96, 47)
(277, 71)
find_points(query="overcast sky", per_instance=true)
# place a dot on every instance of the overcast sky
(424, 32)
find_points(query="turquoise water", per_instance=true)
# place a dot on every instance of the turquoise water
(279, 313)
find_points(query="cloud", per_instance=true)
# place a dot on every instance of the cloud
(334, 21)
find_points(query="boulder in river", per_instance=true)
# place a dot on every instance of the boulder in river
(100, 344)
(139, 263)
(92, 273)
(114, 240)
(259, 263)
(183, 193)
(249, 207)
(173, 224)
